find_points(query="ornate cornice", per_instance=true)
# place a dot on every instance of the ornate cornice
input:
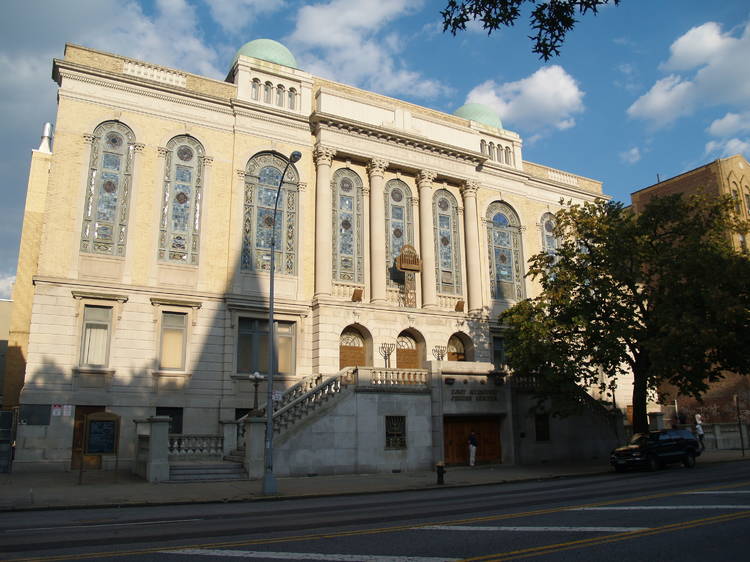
(399, 138)
(323, 155)
(377, 167)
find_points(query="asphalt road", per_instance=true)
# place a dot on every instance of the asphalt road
(673, 514)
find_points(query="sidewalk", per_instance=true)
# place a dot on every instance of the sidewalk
(61, 489)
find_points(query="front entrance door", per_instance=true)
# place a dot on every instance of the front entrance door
(89, 461)
(456, 432)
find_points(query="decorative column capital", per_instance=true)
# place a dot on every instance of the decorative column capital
(377, 167)
(470, 188)
(162, 151)
(88, 139)
(207, 160)
(323, 155)
(240, 174)
(302, 186)
(138, 147)
(425, 178)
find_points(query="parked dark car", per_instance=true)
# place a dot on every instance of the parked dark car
(657, 448)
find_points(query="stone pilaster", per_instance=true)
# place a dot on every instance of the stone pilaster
(426, 237)
(323, 236)
(376, 170)
(471, 225)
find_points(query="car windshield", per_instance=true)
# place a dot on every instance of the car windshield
(639, 439)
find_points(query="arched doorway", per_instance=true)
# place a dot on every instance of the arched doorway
(409, 347)
(353, 347)
(460, 348)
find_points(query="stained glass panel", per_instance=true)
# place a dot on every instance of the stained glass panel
(267, 197)
(106, 208)
(111, 161)
(346, 203)
(270, 175)
(183, 174)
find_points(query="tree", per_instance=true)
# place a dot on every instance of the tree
(551, 20)
(661, 295)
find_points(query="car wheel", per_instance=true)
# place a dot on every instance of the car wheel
(689, 460)
(653, 463)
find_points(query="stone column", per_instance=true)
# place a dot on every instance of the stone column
(376, 169)
(426, 237)
(323, 236)
(471, 224)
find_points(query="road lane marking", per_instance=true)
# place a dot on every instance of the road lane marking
(98, 525)
(719, 492)
(372, 531)
(305, 556)
(650, 507)
(534, 529)
(596, 541)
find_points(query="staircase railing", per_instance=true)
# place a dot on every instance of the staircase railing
(187, 446)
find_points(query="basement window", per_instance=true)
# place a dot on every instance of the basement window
(395, 432)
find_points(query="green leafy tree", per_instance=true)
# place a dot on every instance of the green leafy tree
(661, 295)
(550, 20)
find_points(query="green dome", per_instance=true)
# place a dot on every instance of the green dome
(479, 113)
(268, 50)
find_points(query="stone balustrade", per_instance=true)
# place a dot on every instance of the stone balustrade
(189, 447)
(377, 376)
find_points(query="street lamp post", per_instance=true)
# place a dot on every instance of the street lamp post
(269, 481)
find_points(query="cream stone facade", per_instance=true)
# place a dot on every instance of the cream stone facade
(143, 278)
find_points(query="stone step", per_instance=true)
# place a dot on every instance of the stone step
(204, 472)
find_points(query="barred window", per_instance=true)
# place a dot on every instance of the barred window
(395, 432)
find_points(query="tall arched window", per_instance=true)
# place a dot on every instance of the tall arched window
(399, 226)
(255, 90)
(447, 243)
(105, 212)
(549, 242)
(348, 254)
(182, 201)
(491, 152)
(262, 176)
(508, 156)
(280, 95)
(506, 257)
(483, 146)
(267, 87)
(292, 98)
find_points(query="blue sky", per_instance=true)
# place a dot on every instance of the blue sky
(649, 87)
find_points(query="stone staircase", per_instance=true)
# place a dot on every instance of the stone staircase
(206, 471)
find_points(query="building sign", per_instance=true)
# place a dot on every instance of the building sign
(474, 395)
(102, 433)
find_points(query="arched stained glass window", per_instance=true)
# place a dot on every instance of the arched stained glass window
(447, 243)
(348, 254)
(182, 201)
(105, 213)
(549, 242)
(262, 176)
(506, 257)
(399, 226)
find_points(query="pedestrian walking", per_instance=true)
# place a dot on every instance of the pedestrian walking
(699, 433)
(472, 448)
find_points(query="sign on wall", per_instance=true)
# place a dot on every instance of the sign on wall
(101, 434)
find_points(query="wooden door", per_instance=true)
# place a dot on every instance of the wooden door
(351, 349)
(89, 461)
(456, 432)
(407, 352)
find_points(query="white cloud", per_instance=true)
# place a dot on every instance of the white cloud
(350, 41)
(717, 59)
(6, 285)
(235, 15)
(729, 147)
(730, 124)
(549, 98)
(631, 156)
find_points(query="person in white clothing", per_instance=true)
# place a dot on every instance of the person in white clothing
(472, 448)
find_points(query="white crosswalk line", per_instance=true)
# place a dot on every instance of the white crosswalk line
(304, 556)
(536, 529)
(655, 507)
